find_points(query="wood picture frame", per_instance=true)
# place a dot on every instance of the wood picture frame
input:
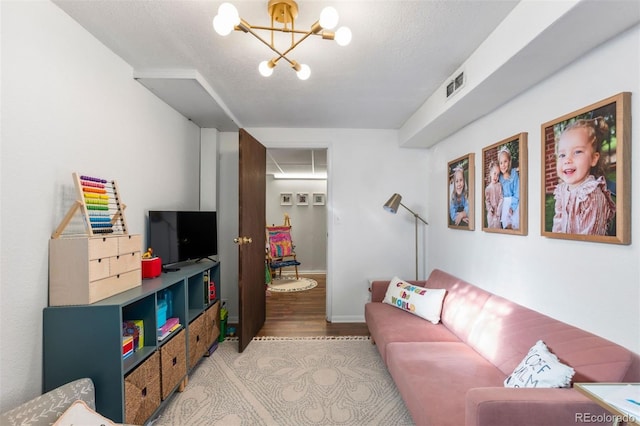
(302, 199)
(504, 186)
(286, 198)
(588, 200)
(460, 193)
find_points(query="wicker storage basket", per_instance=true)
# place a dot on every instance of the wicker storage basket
(173, 362)
(196, 340)
(142, 391)
(212, 325)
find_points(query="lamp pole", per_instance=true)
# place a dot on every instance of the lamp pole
(416, 217)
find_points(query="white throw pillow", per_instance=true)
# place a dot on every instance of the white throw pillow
(79, 413)
(423, 302)
(540, 369)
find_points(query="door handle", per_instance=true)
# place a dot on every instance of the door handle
(242, 240)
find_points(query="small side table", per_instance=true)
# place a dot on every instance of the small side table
(620, 399)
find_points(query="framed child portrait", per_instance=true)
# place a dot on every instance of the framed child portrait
(460, 191)
(504, 183)
(586, 173)
(318, 199)
(286, 198)
(302, 199)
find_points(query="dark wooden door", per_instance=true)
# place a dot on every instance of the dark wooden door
(251, 238)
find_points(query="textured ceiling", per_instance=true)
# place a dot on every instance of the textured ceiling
(400, 53)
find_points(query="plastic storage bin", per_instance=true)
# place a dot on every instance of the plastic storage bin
(162, 313)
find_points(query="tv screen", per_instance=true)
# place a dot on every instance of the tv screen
(180, 236)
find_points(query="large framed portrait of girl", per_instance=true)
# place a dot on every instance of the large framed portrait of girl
(586, 173)
(504, 190)
(460, 191)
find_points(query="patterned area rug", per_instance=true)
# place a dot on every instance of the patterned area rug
(289, 381)
(289, 283)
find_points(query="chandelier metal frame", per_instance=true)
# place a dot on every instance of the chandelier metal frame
(283, 12)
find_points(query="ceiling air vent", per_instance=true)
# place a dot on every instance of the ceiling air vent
(455, 84)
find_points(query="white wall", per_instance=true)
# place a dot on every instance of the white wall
(592, 285)
(69, 104)
(365, 167)
(228, 214)
(308, 222)
(208, 169)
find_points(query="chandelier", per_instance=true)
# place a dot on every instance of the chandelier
(284, 13)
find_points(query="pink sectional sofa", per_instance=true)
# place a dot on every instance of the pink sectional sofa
(452, 373)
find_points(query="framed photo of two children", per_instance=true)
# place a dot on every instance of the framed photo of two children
(586, 173)
(504, 183)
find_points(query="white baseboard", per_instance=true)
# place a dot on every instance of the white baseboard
(340, 318)
(347, 318)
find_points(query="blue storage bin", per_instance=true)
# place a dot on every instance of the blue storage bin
(162, 313)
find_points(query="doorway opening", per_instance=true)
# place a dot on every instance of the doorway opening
(296, 186)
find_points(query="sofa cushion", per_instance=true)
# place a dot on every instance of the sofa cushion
(504, 331)
(420, 301)
(462, 305)
(388, 324)
(540, 369)
(434, 377)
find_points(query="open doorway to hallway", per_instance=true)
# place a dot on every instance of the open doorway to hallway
(302, 314)
(296, 186)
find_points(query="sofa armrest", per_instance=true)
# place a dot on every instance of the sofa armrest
(532, 406)
(378, 290)
(45, 409)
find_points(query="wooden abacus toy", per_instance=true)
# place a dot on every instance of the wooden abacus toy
(100, 205)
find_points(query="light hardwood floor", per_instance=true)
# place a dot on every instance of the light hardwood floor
(302, 314)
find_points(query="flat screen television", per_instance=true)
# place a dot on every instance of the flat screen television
(181, 236)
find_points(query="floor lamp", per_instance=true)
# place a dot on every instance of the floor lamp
(392, 206)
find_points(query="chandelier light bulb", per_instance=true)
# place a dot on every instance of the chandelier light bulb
(304, 73)
(265, 69)
(229, 12)
(226, 19)
(328, 18)
(222, 26)
(343, 36)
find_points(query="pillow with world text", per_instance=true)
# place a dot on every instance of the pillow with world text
(423, 302)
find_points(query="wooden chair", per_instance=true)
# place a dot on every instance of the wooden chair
(280, 249)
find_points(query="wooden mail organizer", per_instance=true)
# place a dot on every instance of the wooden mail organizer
(105, 259)
(83, 270)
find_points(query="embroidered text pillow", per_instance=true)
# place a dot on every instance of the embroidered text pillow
(423, 302)
(540, 369)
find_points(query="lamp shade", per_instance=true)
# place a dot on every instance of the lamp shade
(393, 203)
